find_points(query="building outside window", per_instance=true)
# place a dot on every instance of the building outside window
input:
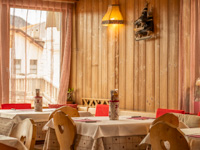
(17, 65)
(33, 66)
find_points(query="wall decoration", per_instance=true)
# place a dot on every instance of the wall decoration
(144, 26)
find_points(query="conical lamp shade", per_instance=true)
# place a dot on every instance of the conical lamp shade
(113, 15)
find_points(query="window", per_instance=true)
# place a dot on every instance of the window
(17, 65)
(33, 66)
(35, 39)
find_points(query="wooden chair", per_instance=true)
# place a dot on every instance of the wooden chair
(165, 136)
(72, 112)
(65, 130)
(169, 118)
(25, 131)
(6, 147)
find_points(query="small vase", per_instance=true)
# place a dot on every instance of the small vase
(38, 101)
(114, 110)
(114, 105)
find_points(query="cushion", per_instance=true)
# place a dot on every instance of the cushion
(60, 105)
(92, 110)
(192, 121)
(82, 108)
(16, 106)
(136, 113)
(55, 105)
(72, 105)
(161, 111)
(182, 125)
(102, 110)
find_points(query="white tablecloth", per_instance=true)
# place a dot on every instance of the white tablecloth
(108, 128)
(12, 142)
(87, 143)
(21, 114)
(10, 117)
(104, 134)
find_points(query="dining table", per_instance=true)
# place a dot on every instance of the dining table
(9, 117)
(101, 133)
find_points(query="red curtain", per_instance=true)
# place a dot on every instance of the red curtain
(189, 50)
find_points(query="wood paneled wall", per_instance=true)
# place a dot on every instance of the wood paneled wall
(105, 58)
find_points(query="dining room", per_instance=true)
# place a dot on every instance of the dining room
(99, 75)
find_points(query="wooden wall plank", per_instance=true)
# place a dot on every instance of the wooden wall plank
(136, 61)
(163, 53)
(122, 59)
(104, 55)
(142, 68)
(95, 47)
(150, 71)
(129, 54)
(186, 52)
(111, 58)
(156, 16)
(173, 54)
(100, 16)
(84, 47)
(117, 57)
(89, 49)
